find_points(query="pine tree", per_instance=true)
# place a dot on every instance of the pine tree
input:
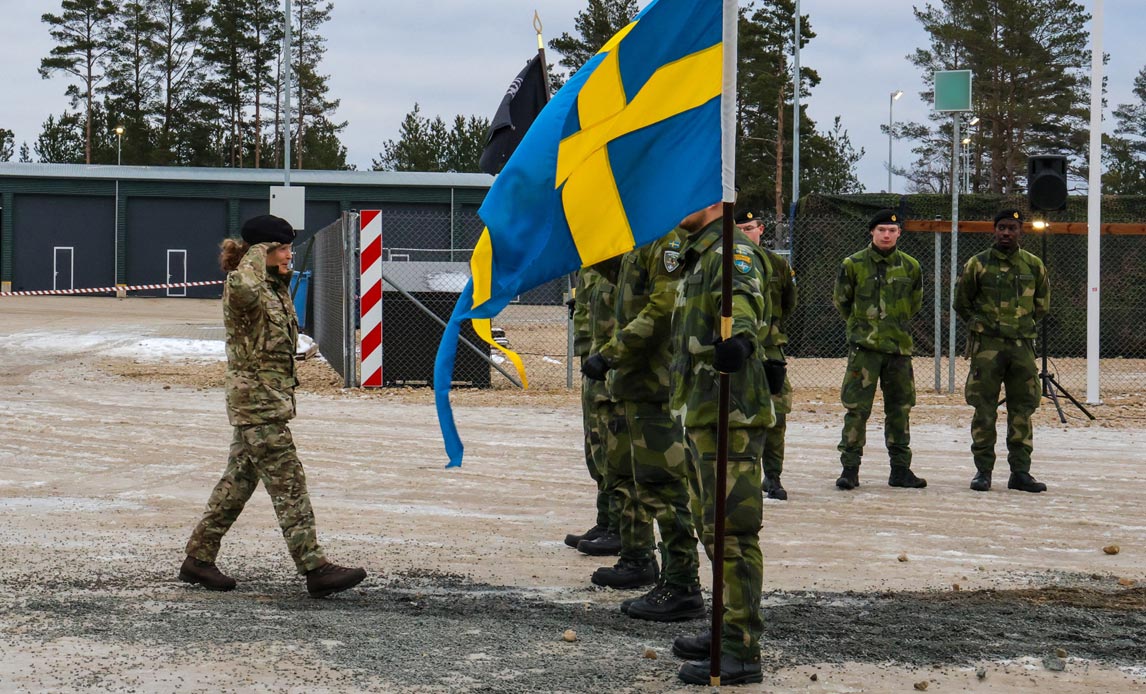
(266, 46)
(1029, 62)
(595, 26)
(81, 32)
(62, 140)
(133, 79)
(1126, 154)
(309, 46)
(418, 147)
(25, 153)
(227, 48)
(7, 144)
(184, 118)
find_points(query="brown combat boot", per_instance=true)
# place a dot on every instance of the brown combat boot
(206, 574)
(332, 578)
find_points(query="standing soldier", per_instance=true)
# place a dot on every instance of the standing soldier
(262, 332)
(699, 356)
(636, 361)
(593, 324)
(878, 291)
(1002, 294)
(782, 297)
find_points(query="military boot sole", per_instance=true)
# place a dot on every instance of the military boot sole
(623, 583)
(697, 672)
(778, 493)
(637, 611)
(193, 579)
(595, 548)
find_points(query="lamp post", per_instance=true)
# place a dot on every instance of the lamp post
(893, 97)
(115, 229)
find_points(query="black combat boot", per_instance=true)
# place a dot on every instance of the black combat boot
(1025, 483)
(627, 573)
(982, 481)
(732, 671)
(332, 578)
(902, 476)
(590, 534)
(669, 603)
(849, 478)
(606, 545)
(206, 574)
(693, 647)
(772, 487)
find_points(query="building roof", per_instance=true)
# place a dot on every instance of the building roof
(227, 175)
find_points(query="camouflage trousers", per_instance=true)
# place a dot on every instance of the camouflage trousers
(744, 504)
(774, 442)
(596, 424)
(896, 379)
(634, 521)
(997, 362)
(661, 491)
(261, 452)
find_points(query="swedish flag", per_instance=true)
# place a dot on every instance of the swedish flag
(625, 150)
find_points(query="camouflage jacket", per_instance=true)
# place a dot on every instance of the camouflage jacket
(782, 297)
(878, 296)
(1003, 295)
(696, 326)
(593, 316)
(262, 332)
(639, 351)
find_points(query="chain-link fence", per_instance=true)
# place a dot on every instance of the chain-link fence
(829, 229)
(427, 248)
(330, 255)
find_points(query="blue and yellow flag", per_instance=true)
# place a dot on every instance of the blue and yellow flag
(624, 151)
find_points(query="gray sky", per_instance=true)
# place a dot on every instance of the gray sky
(457, 56)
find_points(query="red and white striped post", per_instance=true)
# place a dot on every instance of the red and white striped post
(370, 241)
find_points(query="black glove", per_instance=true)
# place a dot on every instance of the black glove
(776, 370)
(571, 303)
(731, 354)
(595, 367)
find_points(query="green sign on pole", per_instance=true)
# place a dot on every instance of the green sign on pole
(953, 90)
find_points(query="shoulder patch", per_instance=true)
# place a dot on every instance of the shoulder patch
(672, 260)
(742, 259)
(674, 244)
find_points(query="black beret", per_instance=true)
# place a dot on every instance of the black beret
(267, 228)
(884, 217)
(1010, 213)
(745, 217)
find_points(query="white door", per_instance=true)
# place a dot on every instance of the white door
(176, 271)
(63, 267)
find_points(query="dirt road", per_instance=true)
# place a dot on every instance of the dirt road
(112, 432)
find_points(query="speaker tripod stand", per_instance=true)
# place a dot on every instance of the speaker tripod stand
(1052, 388)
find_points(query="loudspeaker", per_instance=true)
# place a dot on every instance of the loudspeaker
(1046, 182)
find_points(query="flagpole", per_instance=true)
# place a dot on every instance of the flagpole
(728, 185)
(570, 282)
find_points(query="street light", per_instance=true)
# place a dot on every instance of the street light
(118, 144)
(890, 107)
(115, 227)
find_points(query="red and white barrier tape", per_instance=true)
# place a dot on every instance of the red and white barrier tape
(110, 290)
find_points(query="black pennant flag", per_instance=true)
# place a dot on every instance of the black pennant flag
(522, 102)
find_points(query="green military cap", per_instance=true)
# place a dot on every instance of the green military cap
(1009, 213)
(884, 217)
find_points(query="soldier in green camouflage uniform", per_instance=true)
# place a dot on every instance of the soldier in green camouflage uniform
(699, 356)
(636, 362)
(1002, 294)
(782, 297)
(593, 323)
(878, 291)
(262, 332)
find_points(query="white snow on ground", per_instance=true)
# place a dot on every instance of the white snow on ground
(130, 346)
(169, 348)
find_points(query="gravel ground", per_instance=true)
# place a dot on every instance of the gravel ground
(106, 457)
